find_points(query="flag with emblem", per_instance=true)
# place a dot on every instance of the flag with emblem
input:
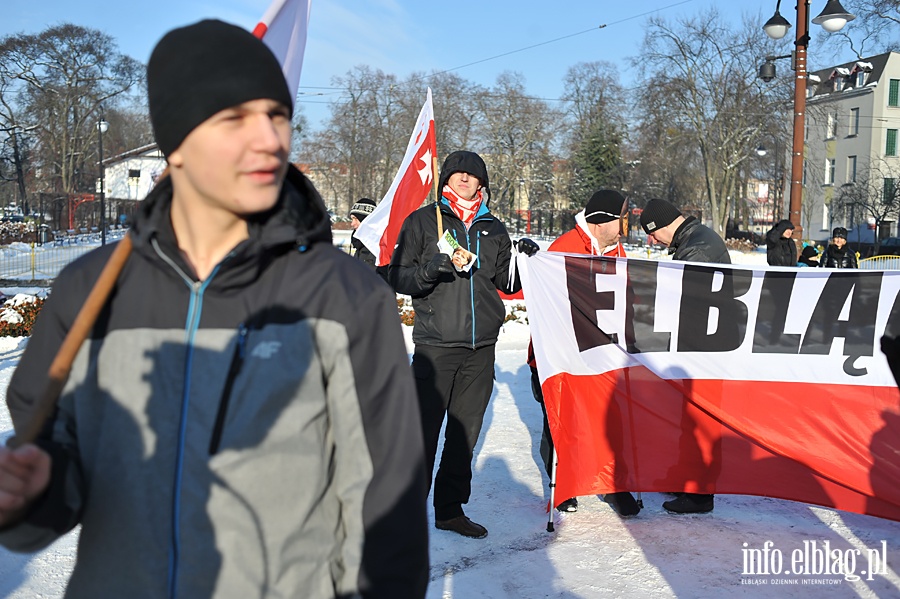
(379, 231)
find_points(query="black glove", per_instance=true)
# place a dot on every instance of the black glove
(440, 263)
(527, 247)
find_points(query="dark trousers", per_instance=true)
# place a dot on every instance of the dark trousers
(456, 383)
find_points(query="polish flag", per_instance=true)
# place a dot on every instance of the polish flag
(712, 378)
(379, 231)
(283, 29)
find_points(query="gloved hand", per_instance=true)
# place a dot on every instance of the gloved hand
(527, 247)
(440, 263)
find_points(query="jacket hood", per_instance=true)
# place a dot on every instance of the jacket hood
(782, 226)
(465, 162)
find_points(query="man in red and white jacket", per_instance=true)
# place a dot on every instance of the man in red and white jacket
(596, 233)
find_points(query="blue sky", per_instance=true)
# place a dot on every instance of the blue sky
(403, 36)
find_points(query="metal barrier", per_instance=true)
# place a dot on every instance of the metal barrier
(880, 263)
(41, 263)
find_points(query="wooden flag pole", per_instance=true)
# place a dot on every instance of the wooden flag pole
(437, 197)
(65, 356)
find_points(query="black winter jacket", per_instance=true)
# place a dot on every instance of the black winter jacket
(460, 309)
(780, 251)
(834, 257)
(253, 434)
(694, 242)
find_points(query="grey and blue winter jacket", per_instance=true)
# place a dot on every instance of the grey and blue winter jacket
(255, 434)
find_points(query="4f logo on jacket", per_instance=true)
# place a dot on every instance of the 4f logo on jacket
(266, 349)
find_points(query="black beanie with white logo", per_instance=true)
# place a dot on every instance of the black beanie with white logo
(658, 214)
(199, 70)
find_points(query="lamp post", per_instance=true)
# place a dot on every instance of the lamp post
(833, 18)
(102, 127)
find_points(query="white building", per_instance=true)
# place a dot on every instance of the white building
(852, 120)
(131, 176)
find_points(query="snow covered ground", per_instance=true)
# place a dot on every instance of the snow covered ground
(592, 553)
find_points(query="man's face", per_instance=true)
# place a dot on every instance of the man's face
(662, 235)
(606, 234)
(787, 233)
(354, 222)
(235, 160)
(839, 241)
(464, 184)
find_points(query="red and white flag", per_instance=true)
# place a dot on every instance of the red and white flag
(379, 231)
(283, 29)
(672, 376)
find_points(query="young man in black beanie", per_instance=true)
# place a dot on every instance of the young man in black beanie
(242, 421)
(458, 319)
(690, 241)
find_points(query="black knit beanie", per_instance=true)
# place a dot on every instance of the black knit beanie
(658, 214)
(604, 206)
(362, 208)
(196, 71)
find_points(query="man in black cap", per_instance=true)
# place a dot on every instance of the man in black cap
(458, 318)
(242, 421)
(690, 241)
(596, 233)
(838, 254)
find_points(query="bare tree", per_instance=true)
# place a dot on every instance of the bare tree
(875, 194)
(518, 134)
(60, 80)
(876, 29)
(699, 69)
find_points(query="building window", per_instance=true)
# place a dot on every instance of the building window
(831, 126)
(890, 146)
(134, 173)
(829, 171)
(861, 77)
(825, 217)
(854, 121)
(889, 190)
(894, 92)
(851, 169)
(838, 83)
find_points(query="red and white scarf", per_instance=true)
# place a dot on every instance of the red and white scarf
(464, 209)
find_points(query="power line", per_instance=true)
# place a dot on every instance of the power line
(523, 49)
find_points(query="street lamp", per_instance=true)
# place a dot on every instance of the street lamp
(102, 127)
(832, 19)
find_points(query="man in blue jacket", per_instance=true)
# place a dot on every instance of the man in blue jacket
(241, 421)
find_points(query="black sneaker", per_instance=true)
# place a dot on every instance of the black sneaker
(623, 503)
(690, 503)
(569, 505)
